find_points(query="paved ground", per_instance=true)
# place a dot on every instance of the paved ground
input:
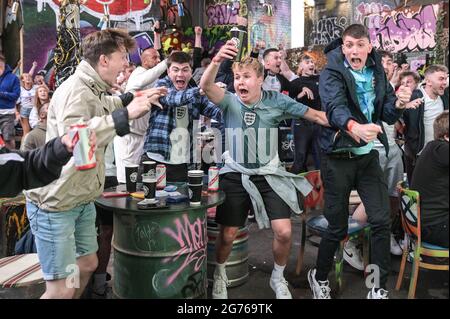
(432, 284)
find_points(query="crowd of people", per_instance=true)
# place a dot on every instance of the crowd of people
(363, 120)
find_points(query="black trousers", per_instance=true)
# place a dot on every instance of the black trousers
(306, 141)
(410, 164)
(436, 234)
(339, 177)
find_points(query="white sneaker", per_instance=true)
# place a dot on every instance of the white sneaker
(320, 289)
(395, 247)
(280, 287)
(352, 255)
(220, 284)
(380, 294)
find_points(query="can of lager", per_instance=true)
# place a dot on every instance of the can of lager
(238, 37)
(83, 153)
(213, 179)
(160, 176)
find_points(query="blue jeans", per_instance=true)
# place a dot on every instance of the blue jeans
(62, 237)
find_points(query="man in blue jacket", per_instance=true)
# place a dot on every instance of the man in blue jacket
(356, 97)
(9, 93)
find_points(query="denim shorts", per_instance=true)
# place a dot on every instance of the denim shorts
(62, 237)
(25, 111)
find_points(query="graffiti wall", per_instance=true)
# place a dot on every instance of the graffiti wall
(221, 16)
(40, 17)
(405, 29)
(325, 23)
(274, 28)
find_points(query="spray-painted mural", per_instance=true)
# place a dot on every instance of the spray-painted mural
(40, 18)
(325, 23)
(221, 16)
(273, 27)
(405, 29)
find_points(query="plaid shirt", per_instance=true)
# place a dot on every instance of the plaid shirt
(162, 122)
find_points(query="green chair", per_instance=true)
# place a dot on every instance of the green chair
(410, 214)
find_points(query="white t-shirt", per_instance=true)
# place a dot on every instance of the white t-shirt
(26, 98)
(432, 108)
(390, 132)
(179, 139)
(271, 83)
(34, 117)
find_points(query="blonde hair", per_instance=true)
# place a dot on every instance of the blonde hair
(37, 101)
(249, 62)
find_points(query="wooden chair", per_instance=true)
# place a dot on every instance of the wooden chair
(410, 215)
(314, 201)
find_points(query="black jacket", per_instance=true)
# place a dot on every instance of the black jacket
(430, 179)
(312, 83)
(39, 168)
(337, 90)
(414, 127)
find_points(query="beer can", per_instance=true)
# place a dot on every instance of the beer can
(213, 179)
(83, 153)
(238, 38)
(160, 176)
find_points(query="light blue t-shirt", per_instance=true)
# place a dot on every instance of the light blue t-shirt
(365, 92)
(251, 132)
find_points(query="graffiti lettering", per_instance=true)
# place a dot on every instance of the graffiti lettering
(222, 14)
(327, 29)
(146, 235)
(192, 241)
(194, 285)
(365, 9)
(404, 31)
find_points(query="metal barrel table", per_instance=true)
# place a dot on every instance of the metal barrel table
(160, 253)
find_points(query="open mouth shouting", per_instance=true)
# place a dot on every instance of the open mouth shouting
(180, 83)
(356, 63)
(243, 93)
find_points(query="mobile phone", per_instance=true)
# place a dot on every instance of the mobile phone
(148, 204)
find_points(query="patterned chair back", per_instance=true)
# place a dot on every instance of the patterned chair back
(410, 211)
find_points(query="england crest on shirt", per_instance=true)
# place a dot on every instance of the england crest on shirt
(249, 118)
(181, 112)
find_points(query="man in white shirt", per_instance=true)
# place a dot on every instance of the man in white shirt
(419, 122)
(129, 148)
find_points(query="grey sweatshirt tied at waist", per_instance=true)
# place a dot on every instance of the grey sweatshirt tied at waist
(282, 182)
